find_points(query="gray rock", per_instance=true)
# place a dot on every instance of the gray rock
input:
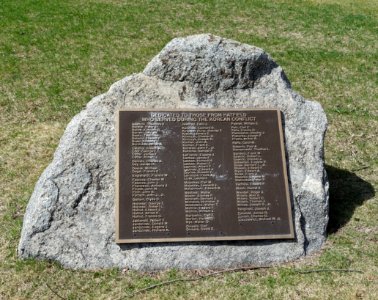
(70, 216)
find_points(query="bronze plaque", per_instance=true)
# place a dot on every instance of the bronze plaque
(201, 176)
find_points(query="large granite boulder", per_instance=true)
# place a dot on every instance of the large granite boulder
(70, 216)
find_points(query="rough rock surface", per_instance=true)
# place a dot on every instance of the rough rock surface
(70, 216)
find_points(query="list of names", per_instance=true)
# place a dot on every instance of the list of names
(205, 174)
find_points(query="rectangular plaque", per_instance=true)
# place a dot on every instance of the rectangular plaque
(201, 176)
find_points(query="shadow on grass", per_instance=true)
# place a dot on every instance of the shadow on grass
(347, 191)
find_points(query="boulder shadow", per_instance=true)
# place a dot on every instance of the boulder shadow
(347, 191)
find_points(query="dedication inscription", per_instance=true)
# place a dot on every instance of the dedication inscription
(200, 176)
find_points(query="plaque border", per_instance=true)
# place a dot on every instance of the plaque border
(290, 235)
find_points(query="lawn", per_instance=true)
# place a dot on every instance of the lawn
(56, 55)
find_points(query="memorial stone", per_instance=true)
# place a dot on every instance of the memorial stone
(70, 217)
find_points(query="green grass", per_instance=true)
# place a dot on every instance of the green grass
(56, 55)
